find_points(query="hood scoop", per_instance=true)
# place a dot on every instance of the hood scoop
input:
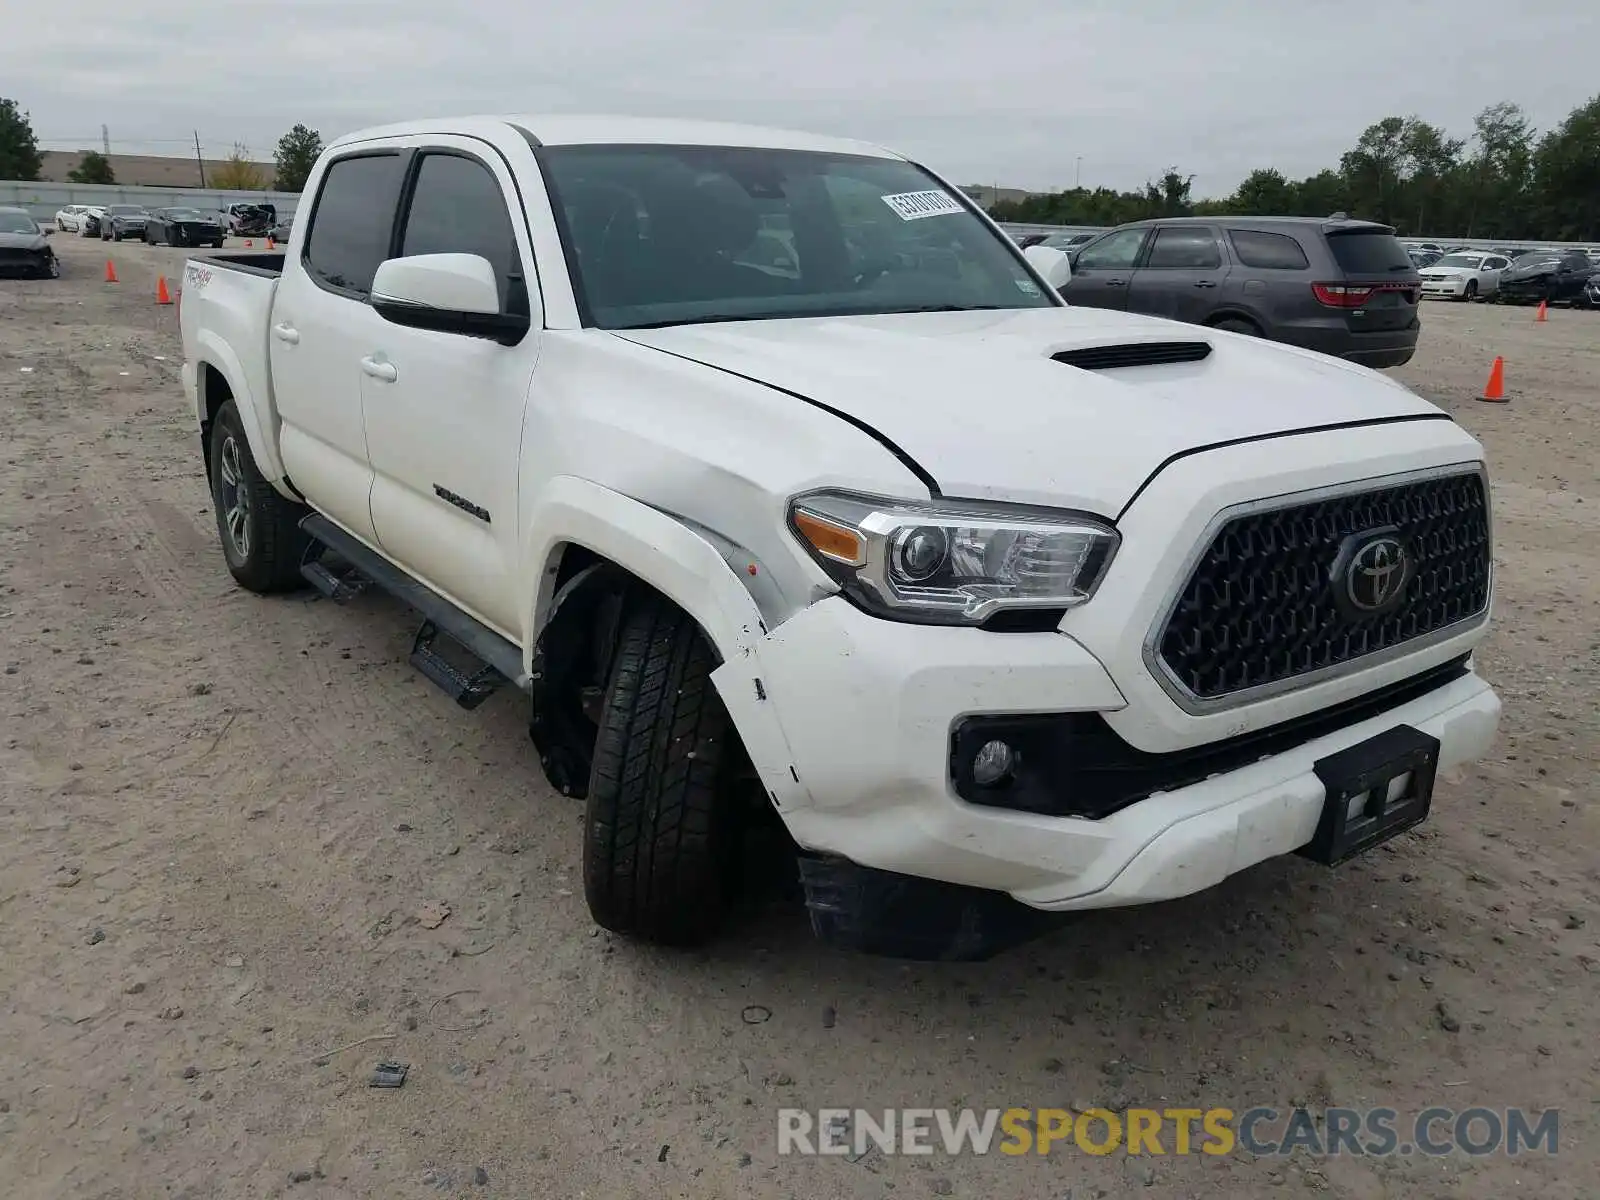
(1133, 354)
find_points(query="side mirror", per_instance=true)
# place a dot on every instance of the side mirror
(445, 293)
(1055, 266)
(46, 230)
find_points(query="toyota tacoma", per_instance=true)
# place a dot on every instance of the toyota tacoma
(993, 607)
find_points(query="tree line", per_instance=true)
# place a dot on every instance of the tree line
(1504, 181)
(293, 159)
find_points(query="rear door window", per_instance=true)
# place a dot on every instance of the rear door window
(1267, 251)
(352, 221)
(1369, 253)
(1185, 248)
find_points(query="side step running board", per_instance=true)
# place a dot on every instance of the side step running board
(492, 659)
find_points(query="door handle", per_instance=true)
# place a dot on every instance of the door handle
(1205, 283)
(286, 333)
(1115, 282)
(380, 370)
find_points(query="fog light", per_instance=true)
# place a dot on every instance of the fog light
(993, 764)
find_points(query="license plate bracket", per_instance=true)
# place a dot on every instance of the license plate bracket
(1375, 790)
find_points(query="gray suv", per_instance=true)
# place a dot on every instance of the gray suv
(1341, 287)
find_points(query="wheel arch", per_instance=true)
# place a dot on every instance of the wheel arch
(590, 544)
(1232, 312)
(220, 377)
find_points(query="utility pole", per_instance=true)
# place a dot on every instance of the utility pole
(198, 161)
(105, 140)
(1077, 173)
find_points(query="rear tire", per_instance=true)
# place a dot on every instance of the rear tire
(260, 530)
(660, 828)
(1237, 325)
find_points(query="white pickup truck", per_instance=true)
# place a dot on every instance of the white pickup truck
(1000, 608)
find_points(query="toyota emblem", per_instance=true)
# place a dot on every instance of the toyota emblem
(1377, 575)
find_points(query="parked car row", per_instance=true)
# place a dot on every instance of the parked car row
(113, 222)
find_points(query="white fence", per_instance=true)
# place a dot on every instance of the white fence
(43, 199)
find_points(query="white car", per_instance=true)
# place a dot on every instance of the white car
(1464, 275)
(89, 220)
(69, 219)
(994, 607)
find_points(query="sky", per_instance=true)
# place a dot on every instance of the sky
(1039, 94)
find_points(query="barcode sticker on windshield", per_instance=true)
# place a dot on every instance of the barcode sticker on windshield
(913, 206)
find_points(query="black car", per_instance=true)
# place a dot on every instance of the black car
(1338, 286)
(1554, 276)
(182, 227)
(23, 247)
(123, 220)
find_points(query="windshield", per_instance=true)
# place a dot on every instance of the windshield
(15, 222)
(184, 214)
(1537, 258)
(666, 235)
(1460, 260)
(125, 210)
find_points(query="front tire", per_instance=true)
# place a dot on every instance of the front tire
(660, 827)
(260, 530)
(1470, 293)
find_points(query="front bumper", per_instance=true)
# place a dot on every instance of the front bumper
(27, 261)
(1525, 291)
(1451, 288)
(875, 758)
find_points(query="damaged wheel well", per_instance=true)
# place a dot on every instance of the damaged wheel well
(215, 392)
(572, 658)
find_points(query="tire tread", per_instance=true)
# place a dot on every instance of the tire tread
(656, 825)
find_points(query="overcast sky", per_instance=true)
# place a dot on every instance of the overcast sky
(1012, 93)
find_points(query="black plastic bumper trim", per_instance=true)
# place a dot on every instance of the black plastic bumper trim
(1075, 764)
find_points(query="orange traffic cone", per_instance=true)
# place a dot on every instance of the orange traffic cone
(162, 295)
(271, 245)
(1495, 389)
(111, 271)
(1540, 316)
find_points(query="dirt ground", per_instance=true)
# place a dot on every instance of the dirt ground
(229, 825)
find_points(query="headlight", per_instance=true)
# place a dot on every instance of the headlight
(952, 562)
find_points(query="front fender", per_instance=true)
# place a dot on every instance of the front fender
(211, 350)
(659, 550)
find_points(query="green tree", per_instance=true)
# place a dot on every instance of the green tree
(19, 149)
(1498, 176)
(238, 173)
(1264, 193)
(297, 153)
(1434, 160)
(95, 168)
(1566, 170)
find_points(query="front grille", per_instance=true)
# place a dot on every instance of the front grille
(1261, 607)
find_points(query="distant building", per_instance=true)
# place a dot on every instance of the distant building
(987, 194)
(142, 170)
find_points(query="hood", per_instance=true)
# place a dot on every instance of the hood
(1438, 272)
(1531, 271)
(23, 241)
(976, 400)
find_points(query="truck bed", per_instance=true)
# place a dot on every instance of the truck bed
(225, 318)
(251, 262)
